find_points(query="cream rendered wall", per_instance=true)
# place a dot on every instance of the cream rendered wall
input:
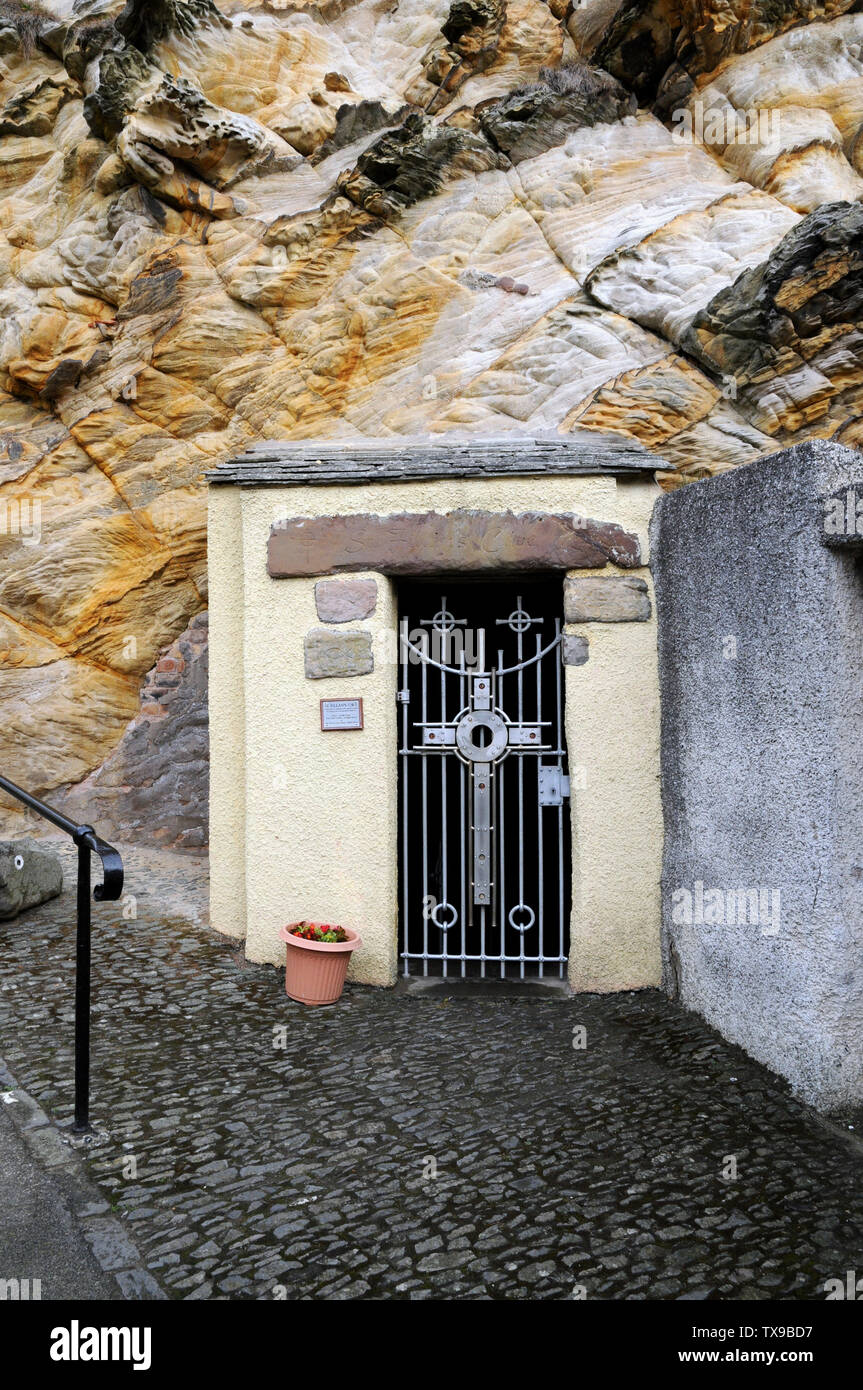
(227, 715)
(321, 826)
(321, 835)
(612, 736)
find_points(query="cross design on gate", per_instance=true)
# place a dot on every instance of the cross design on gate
(481, 736)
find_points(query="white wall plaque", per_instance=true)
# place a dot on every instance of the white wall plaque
(341, 714)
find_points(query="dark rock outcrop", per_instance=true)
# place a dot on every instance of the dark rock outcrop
(539, 116)
(650, 43)
(471, 34)
(412, 163)
(783, 330)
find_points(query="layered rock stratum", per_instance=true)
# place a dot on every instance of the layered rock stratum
(373, 217)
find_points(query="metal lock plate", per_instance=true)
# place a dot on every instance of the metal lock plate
(553, 786)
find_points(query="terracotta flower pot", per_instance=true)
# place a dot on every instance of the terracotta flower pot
(315, 970)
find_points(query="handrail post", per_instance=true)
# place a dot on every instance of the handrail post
(82, 993)
(109, 890)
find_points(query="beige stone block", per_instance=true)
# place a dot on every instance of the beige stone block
(337, 654)
(617, 599)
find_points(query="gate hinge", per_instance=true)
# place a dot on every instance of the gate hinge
(403, 697)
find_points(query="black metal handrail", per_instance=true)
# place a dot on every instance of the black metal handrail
(108, 890)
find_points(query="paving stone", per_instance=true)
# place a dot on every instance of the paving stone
(138, 1284)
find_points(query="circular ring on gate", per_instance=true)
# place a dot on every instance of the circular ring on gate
(519, 620)
(481, 719)
(444, 621)
(525, 926)
(448, 907)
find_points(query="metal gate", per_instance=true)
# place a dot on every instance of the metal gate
(484, 834)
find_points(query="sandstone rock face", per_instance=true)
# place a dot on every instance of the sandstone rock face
(154, 786)
(220, 224)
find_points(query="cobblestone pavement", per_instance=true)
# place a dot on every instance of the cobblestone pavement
(405, 1146)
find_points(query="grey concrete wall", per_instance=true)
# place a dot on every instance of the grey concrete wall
(761, 679)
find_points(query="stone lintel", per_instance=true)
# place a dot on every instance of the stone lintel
(465, 541)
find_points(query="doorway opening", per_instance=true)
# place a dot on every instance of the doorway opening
(484, 835)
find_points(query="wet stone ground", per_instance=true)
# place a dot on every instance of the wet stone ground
(397, 1146)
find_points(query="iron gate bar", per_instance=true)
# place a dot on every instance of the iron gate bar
(539, 847)
(429, 661)
(559, 683)
(109, 890)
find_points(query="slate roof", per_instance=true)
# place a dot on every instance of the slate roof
(317, 463)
